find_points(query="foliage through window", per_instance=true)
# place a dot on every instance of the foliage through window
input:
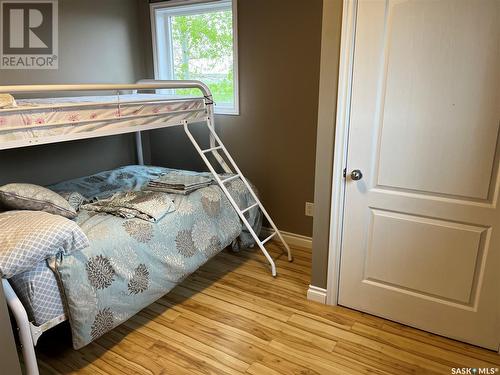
(195, 41)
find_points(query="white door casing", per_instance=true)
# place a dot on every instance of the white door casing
(421, 229)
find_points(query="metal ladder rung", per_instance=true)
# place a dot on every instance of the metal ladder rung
(249, 208)
(215, 140)
(268, 238)
(230, 178)
(211, 149)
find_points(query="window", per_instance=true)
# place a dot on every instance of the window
(196, 39)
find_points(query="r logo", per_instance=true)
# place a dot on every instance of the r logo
(27, 28)
(29, 34)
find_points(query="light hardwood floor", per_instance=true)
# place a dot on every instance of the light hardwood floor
(232, 317)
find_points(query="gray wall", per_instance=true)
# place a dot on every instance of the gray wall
(330, 51)
(100, 41)
(273, 139)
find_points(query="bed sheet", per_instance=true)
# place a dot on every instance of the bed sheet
(88, 116)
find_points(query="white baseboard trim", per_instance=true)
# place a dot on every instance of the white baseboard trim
(292, 239)
(316, 294)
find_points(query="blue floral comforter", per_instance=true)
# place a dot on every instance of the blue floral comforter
(131, 262)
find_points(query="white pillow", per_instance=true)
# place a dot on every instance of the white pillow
(28, 237)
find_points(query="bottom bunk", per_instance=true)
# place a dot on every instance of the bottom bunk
(130, 262)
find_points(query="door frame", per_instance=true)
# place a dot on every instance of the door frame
(342, 127)
(344, 93)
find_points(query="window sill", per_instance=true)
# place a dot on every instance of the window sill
(227, 113)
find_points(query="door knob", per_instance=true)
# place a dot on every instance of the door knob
(356, 175)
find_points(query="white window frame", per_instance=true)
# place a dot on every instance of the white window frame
(164, 68)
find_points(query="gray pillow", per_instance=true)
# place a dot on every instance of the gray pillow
(28, 237)
(35, 198)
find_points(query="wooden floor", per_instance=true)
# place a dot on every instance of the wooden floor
(232, 317)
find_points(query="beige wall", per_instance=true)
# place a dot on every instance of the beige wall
(273, 139)
(100, 41)
(330, 51)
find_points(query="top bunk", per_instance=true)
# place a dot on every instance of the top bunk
(121, 109)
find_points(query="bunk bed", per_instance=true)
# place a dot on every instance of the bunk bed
(52, 120)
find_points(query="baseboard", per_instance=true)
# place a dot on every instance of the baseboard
(316, 294)
(292, 239)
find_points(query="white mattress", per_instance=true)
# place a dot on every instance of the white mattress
(38, 121)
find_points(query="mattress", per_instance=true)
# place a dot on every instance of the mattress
(38, 288)
(39, 293)
(38, 121)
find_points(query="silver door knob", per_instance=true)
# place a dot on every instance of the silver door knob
(356, 175)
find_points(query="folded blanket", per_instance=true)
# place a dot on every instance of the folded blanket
(178, 183)
(147, 205)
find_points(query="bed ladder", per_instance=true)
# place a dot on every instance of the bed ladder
(216, 145)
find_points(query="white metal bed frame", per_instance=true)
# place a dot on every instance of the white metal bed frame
(30, 333)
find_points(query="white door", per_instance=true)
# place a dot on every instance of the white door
(421, 242)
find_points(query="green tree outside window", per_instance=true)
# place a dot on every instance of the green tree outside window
(203, 50)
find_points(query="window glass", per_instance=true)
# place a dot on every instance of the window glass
(196, 42)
